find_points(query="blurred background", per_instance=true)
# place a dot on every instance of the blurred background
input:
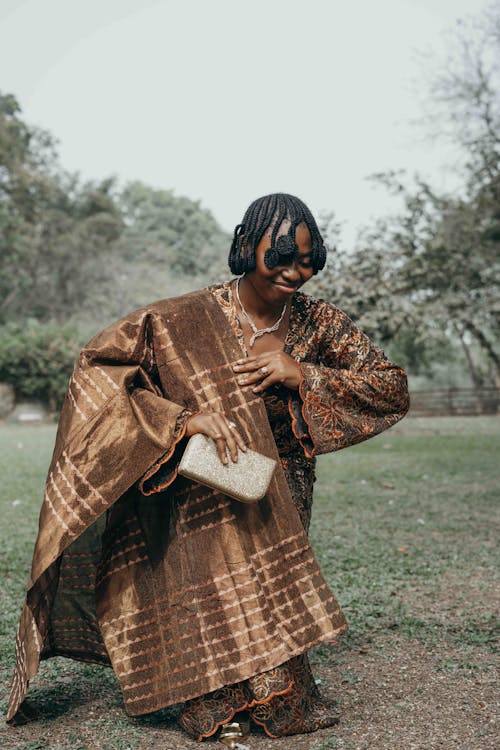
(134, 134)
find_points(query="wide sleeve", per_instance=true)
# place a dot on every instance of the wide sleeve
(351, 391)
(128, 354)
(116, 423)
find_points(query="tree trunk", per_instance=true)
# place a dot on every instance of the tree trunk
(476, 376)
(487, 347)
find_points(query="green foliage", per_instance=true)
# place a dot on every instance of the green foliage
(169, 231)
(417, 353)
(89, 250)
(37, 359)
(55, 232)
(169, 245)
(330, 743)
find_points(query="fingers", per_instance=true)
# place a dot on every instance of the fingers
(223, 437)
(231, 437)
(271, 379)
(251, 371)
(220, 444)
(222, 431)
(239, 440)
(261, 373)
(250, 378)
(251, 364)
(268, 369)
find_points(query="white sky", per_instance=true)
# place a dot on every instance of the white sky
(225, 100)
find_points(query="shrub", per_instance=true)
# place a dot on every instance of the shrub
(37, 359)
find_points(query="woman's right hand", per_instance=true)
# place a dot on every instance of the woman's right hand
(217, 426)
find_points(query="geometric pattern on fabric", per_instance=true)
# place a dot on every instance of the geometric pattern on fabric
(183, 548)
(284, 700)
(187, 580)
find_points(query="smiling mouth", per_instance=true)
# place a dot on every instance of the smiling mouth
(288, 287)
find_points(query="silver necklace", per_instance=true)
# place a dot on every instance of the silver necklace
(256, 332)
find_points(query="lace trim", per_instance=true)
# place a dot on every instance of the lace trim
(246, 706)
(305, 438)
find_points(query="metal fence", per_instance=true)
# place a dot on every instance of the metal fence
(455, 401)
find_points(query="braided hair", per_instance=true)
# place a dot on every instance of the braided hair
(272, 210)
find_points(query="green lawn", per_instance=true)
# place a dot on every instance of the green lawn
(408, 516)
(403, 528)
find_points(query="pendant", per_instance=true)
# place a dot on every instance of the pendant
(257, 331)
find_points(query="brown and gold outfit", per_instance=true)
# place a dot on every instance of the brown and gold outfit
(193, 597)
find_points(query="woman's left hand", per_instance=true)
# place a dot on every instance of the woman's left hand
(268, 368)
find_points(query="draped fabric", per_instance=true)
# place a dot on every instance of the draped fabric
(350, 392)
(284, 700)
(181, 589)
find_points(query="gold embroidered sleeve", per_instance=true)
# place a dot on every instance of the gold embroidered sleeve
(351, 393)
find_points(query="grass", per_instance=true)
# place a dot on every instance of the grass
(407, 516)
(403, 527)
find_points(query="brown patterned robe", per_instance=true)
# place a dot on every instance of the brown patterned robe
(184, 591)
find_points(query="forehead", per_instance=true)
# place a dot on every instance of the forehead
(302, 233)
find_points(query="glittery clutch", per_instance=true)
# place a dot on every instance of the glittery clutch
(246, 480)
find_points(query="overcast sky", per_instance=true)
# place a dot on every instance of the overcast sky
(225, 100)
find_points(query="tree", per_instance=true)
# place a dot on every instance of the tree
(464, 96)
(165, 229)
(169, 245)
(441, 273)
(91, 250)
(428, 277)
(54, 231)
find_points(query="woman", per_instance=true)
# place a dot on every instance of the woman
(194, 598)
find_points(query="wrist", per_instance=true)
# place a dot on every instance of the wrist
(298, 377)
(189, 427)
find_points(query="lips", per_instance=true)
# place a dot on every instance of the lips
(286, 287)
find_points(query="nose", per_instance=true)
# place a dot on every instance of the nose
(291, 272)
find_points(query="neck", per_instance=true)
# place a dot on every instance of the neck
(255, 305)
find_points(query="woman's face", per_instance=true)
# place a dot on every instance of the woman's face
(278, 284)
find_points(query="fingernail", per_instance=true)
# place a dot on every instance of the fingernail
(236, 367)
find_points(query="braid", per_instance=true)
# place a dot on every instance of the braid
(272, 210)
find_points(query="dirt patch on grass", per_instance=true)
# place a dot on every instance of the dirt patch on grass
(393, 693)
(450, 598)
(410, 696)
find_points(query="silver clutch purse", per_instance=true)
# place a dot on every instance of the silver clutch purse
(246, 480)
